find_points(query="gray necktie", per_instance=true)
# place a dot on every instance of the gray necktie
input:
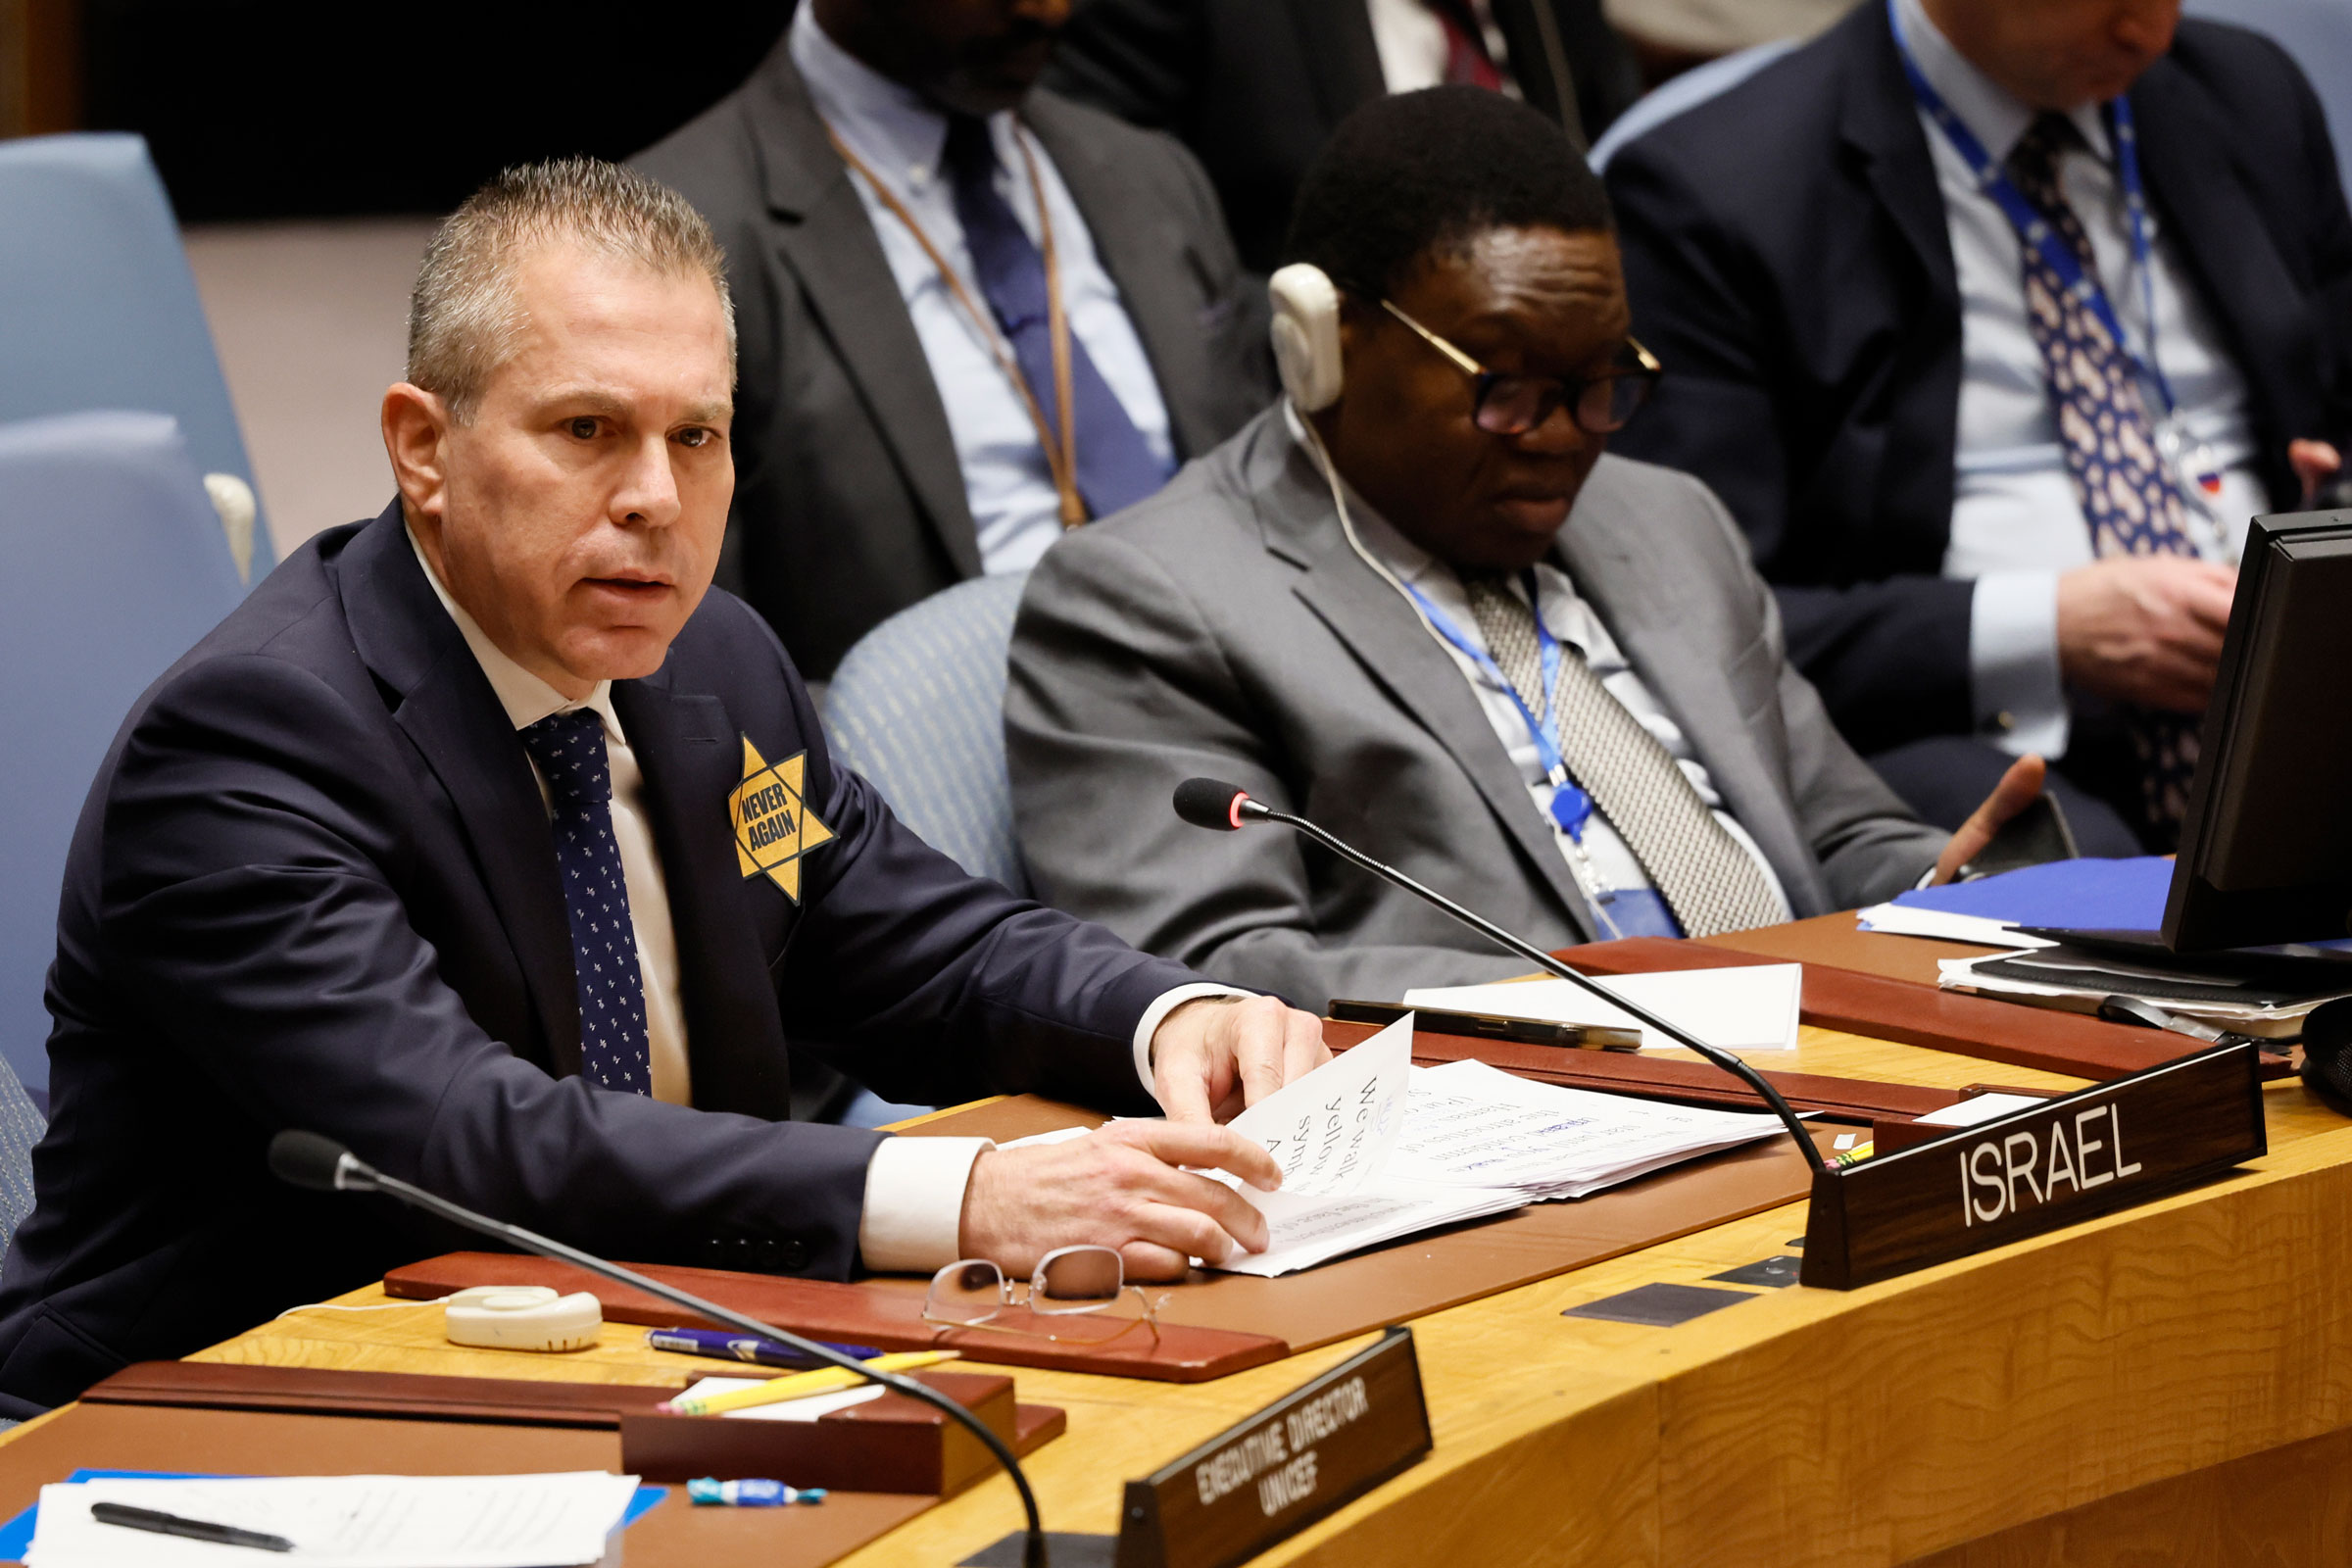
(1711, 883)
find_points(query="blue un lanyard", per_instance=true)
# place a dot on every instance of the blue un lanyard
(1570, 807)
(2034, 228)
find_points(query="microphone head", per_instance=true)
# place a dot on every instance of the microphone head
(312, 1161)
(1210, 802)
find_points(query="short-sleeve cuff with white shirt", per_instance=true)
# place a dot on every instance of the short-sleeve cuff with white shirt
(913, 1222)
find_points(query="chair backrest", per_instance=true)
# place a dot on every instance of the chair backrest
(918, 707)
(1681, 94)
(21, 1127)
(2317, 33)
(102, 306)
(115, 569)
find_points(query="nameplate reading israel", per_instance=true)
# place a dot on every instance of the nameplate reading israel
(2102, 1149)
(1289, 1465)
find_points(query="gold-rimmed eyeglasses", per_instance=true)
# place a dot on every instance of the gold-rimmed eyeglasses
(1513, 405)
(1067, 1281)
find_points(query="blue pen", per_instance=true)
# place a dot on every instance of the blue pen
(723, 1347)
(750, 1494)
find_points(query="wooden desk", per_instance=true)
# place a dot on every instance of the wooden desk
(2171, 1385)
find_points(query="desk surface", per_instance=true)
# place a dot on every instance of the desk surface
(2147, 1351)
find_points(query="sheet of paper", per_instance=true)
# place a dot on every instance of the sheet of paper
(1331, 1130)
(1904, 920)
(526, 1521)
(804, 1410)
(1751, 1007)
(1478, 1126)
(1305, 1231)
(1976, 1108)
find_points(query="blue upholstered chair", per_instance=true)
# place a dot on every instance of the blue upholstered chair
(115, 569)
(2317, 33)
(102, 311)
(1681, 94)
(918, 707)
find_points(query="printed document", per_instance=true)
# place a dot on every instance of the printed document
(531, 1521)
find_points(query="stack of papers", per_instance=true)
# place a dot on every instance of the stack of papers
(1373, 1148)
(533, 1521)
(2075, 981)
(1747, 1007)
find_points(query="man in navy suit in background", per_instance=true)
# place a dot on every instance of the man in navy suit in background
(484, 839)
(1993, 322)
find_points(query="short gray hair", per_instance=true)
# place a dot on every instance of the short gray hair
(465, 315)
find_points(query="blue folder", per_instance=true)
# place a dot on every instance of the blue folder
(2084, 895)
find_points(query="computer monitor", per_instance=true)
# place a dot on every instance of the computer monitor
(2266, 851)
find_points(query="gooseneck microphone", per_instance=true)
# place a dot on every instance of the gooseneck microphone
(1212, 803)
(319, 1163)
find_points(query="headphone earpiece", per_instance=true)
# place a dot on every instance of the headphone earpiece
(1307, 335)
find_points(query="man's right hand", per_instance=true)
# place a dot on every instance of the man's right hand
(1118, 1187)
(2145, 629)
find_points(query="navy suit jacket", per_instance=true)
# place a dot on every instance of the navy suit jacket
(1787, 259)
(315, 886)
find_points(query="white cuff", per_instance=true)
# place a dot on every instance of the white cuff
(913, 1216)
(1155, 1015)
(2014, 683)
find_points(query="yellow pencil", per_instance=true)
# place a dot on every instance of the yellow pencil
(800, 1385)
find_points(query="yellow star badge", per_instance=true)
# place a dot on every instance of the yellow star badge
(773, 826)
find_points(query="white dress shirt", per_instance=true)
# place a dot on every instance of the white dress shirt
(1574, 622)
(1411, 43)
(2016, 525)
(901, 136)
(914, 1186)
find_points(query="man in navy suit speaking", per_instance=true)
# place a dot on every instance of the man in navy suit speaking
(484, 838)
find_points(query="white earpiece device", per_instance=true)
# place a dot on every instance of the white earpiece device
(1307, 335)
(522, 1317)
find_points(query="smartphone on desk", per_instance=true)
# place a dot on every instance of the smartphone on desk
(1489, 1026)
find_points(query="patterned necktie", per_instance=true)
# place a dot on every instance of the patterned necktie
(1467, 62)
(1116, 466)
(569, 749)
(2122, 482)
(1710, 883)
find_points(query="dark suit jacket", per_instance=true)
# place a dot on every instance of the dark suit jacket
(1786, 253)
(1256, 86)
(849, 501)
(315, 886)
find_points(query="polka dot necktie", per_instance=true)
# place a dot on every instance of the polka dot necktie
(1710, 883)
(569, 749)
(2123, 483)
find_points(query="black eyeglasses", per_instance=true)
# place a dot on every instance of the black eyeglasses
(1513, 405)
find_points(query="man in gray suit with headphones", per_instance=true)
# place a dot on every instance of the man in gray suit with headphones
(1415, 603)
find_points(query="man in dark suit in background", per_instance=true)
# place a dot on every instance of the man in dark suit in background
(1995, 529)
(483, 839)
(1256, 86)
(903, 293)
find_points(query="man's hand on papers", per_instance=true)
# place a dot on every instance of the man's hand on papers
(1214, 1057)
(2145, 629)
(2017, 789)
(1119, 1187)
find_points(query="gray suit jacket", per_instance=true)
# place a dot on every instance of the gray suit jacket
(1225, 628)
(849, 501)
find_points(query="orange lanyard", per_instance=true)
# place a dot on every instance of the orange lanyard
(1061, 445)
